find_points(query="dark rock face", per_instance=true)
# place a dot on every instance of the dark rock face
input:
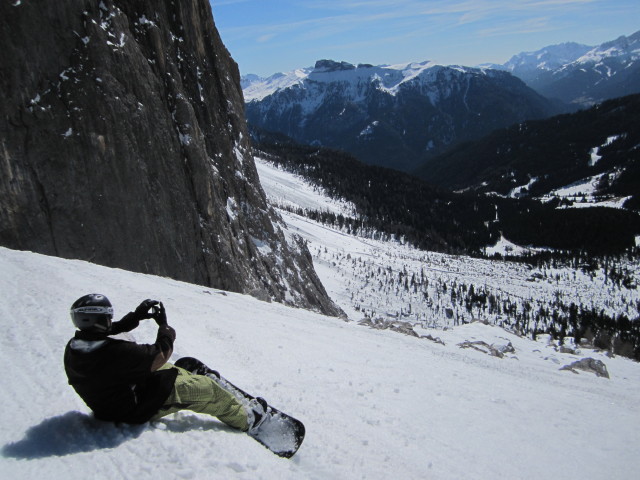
(123, 142)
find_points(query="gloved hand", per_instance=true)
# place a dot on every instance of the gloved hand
(142, 311)
(159, 314)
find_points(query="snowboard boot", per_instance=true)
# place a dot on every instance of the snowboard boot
(256, 413)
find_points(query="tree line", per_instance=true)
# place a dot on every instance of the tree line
(400, 205)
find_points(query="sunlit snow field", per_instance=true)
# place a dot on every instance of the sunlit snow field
(364, 273)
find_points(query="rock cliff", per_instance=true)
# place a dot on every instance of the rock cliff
(123, 142)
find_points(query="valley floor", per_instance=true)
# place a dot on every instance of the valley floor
(390, 280)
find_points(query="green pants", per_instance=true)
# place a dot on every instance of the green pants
(201, 394)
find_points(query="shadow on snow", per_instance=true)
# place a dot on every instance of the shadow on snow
(77, 432)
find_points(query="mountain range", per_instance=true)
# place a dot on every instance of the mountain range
(401, 116)
(395, 116)
(579, 74)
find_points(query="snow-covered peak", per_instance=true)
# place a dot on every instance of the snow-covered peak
(250, 79)
(388, 78)
(624, 47)
(548, 58)
(555, 57)
(257, 88)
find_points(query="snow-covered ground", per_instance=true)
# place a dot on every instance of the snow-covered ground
(377, 404)
(392, 280)
(287, 190)
(584, 193)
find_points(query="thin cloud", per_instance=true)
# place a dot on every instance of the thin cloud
(265, 38)
(475, 11)
(311, 28)
(468, 10)
(342, 20)
(351, 15)
(531, 25)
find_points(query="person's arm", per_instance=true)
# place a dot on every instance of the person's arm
(164, 340)
(132, 319)
(125, 324)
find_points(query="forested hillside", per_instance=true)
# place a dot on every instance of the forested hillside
(601, 144)
(397, 204)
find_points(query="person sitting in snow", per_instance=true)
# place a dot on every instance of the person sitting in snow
(122, 381)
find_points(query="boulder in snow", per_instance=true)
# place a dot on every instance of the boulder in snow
(588, 365)
(495, 350)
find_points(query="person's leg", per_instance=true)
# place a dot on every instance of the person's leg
(201, 394)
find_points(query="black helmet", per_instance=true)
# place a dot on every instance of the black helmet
(92, 313)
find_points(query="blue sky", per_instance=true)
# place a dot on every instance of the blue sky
(269, 36)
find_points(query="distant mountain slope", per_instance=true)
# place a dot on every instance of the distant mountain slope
(393, 116)
(580, 74)
(547, 59)
(534, 67)
(391, 203)
(389, 281)
(536, 158)
(256, 88)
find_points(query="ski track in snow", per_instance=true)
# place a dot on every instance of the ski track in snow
(376, 404)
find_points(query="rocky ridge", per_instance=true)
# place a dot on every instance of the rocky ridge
(393, 116)
(579, 74)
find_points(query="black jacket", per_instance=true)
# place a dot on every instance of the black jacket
(114, 377)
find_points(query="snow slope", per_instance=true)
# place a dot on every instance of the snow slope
(368, 276)
(288, 190)
(377, 404)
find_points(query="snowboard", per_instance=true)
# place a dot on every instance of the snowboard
(279, 432)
